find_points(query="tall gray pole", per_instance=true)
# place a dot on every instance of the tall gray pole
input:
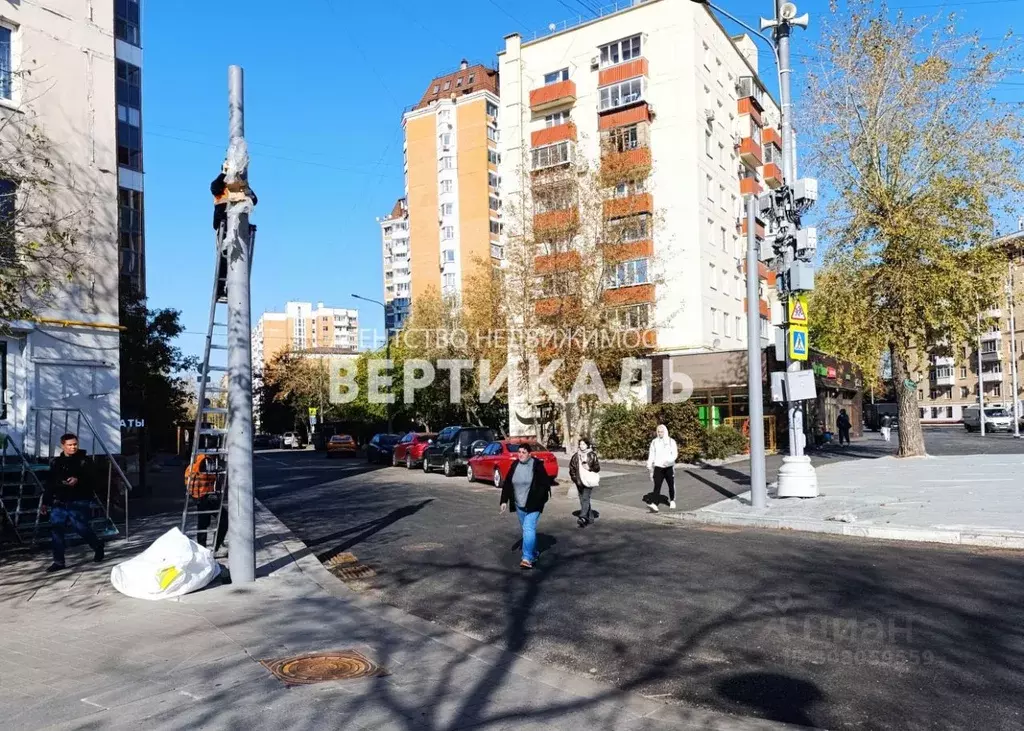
(1011, 302)
(241, 525)
(755, 396)
(981, 384)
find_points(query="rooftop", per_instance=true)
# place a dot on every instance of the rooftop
(464, 80)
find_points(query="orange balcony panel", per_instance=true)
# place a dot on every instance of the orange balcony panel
(551, 135)
(770, 137)
(550, 306)
(628, 165)
(633, 115)
(750, 152)
(622, 72)
(628, 206)
(763, 272)
(558, 262)
(758, 228)
(772, 175)
(750, 186)
(750, 105)
(555, 222)
(629, 295)
(626, 252)
(553, 95)
(764, 308)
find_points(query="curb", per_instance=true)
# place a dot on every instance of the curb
(982, 538)
(562, 680)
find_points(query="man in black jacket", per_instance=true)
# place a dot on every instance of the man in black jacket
(68, 496)
(527, 487)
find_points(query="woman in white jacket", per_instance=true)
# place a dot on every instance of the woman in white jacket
(661, 461)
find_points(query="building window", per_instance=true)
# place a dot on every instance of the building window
(551, 155)
(741, 288)
(129, 146)
(627, 189)
(492, 108)
(435, 89)
(707, 56)
(772, 154)
(446, 139)
(721, 197)
(493, 203)
(633, 317)
(493, 157)
(707, 142)
(447, 85)
(3, 379)
(402, 288)
(5, 62)
(997, 390)
(621, 94)
(626, 138)
(709, 188)
(555, 76)
(458, 81)
(129, 85)
(447, 162)
(920, 395)
(448, 256)
(624, 50)
(447, 209)
(725, 240)
(126, 21)
(495, 227)
(553, 120)
(129, 219)
(448, 281)
(739, 328)
(626, 273)
(446, 186)
(964, 392)
(714, 321)
(445, 115)
(713, 277)
(492, 134)
(447, 233)
(963, 371)
(634, 228)
(492, 179)
(8, 211)
(727, 325)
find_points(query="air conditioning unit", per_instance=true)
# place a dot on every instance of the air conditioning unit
(709, 115)
(595, 62)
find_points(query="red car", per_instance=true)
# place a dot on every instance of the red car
(409, 450)
(494, 462)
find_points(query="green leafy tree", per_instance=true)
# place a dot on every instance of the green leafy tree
(903, 127)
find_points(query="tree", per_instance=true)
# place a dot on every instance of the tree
(904, 129)
(150, 388)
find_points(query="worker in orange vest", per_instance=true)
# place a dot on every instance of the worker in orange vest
(201, 484)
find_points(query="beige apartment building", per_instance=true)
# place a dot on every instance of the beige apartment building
(452, 182)
(952, 381)
(304, 328)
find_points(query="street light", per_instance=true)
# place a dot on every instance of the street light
(387, 346)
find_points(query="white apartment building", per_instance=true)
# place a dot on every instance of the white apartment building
(57, 74)
(662, 86)
(394, 234)
(303, 327)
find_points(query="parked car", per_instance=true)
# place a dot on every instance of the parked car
(453, 448)
(496, 458)
(341, 445)
(294, 440)
(409, 450)
(381, 447)
(262, 441)
(996, 419)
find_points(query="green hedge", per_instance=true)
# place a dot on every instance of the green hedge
(626, 433)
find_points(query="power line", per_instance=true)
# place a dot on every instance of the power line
(522, 25)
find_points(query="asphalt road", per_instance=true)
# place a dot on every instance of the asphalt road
(821, 631)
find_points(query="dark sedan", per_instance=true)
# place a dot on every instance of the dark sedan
(380, 448)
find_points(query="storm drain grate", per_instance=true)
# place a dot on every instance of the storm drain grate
(321, 667)
(340, 559)
(352, 573)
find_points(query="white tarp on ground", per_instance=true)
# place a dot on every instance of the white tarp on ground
(174, 565)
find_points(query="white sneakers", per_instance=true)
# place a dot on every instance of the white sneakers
(653, 507)
(672, 505)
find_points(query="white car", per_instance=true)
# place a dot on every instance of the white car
(292, 440)
(996, 419)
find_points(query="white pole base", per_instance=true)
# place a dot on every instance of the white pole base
(797, 478)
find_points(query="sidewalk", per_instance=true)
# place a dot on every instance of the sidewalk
(75, 654)
(966, 500)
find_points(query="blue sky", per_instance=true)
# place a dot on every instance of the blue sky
(325, 87)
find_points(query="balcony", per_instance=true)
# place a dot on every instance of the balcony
(628, 206)
(993, 314)
(558, 262)
(633, 115)
(991, 376)
(770, 137)
(560, 153)
(551, 306)
(622, 72)
(763, 273)
(991, 354)
(764, 308)
(750, 152)
(497, 252)
(943, 377)
(551, 135)
(750, 186)
(629, 295)
(750, 98)
(643, 249)
(943, 361)
(628, 165)
(772, 175)
(758, 228)
(992, 336)
(553, 96)
(554, 224)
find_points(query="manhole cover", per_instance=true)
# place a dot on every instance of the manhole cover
(423, 547)
(349, 573)
(341, 559)
(320, 667)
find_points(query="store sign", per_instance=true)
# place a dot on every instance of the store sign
(133, 423)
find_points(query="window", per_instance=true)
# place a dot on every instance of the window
(447, 85)
(458, 81)
(129, 146)
(126, 21)
(446, 186)
(633, 317)
(707, 57)
(492, 108)
(721, 154)
(448, 256)
(963, 371)
(964, 392)
(727, 325)
(551, 155)
(447, 162)
(628, 188)
(495, 227)
(707, 142)
(621, 139)
(627, 273)
(129, 85)
(555, 76)
(635, 228)
(713, 276)
(739, 328)
(725, 240)
(447, 233)
(621, 94)
(708, 188)
(492, 133)
(470, 79)
(997, 389)
(446, 139)
(129, 220)
(714, 320)
(492, 179)
(445, 115)
(448, 281)
(772, 154)
(493, 157)
(553, 120)
(447, 209)
(741, 287)
(721, 197)
(435, 89)
(5, 62)
(620, 51)
(493, 203)
(8, 211)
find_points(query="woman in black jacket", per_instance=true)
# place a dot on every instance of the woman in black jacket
(583, 471)
(527, 487)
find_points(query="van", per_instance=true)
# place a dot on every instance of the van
(996, 419)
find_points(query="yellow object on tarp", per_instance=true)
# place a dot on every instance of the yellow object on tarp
(167, 575)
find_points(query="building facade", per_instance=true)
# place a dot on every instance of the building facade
(303, 327)
(128, 95)
(671, 111)
(57, 81)
(394, 233)
(953, 381)
(452, 181)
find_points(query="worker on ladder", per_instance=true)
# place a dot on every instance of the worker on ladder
(201, 483)
(222, 193)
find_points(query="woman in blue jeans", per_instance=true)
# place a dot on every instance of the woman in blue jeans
(527, 487)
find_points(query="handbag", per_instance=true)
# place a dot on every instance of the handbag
(588, 478)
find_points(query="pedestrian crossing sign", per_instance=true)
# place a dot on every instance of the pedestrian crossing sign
(797, 342)
(796, 306)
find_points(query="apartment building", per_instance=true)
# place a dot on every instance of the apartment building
(61, 79)
(303, 328)
(394, 234)
(952, 381)
(671, 111)
(128, 96)
(452, 181)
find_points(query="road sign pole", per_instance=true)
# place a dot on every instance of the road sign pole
(755, 373)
